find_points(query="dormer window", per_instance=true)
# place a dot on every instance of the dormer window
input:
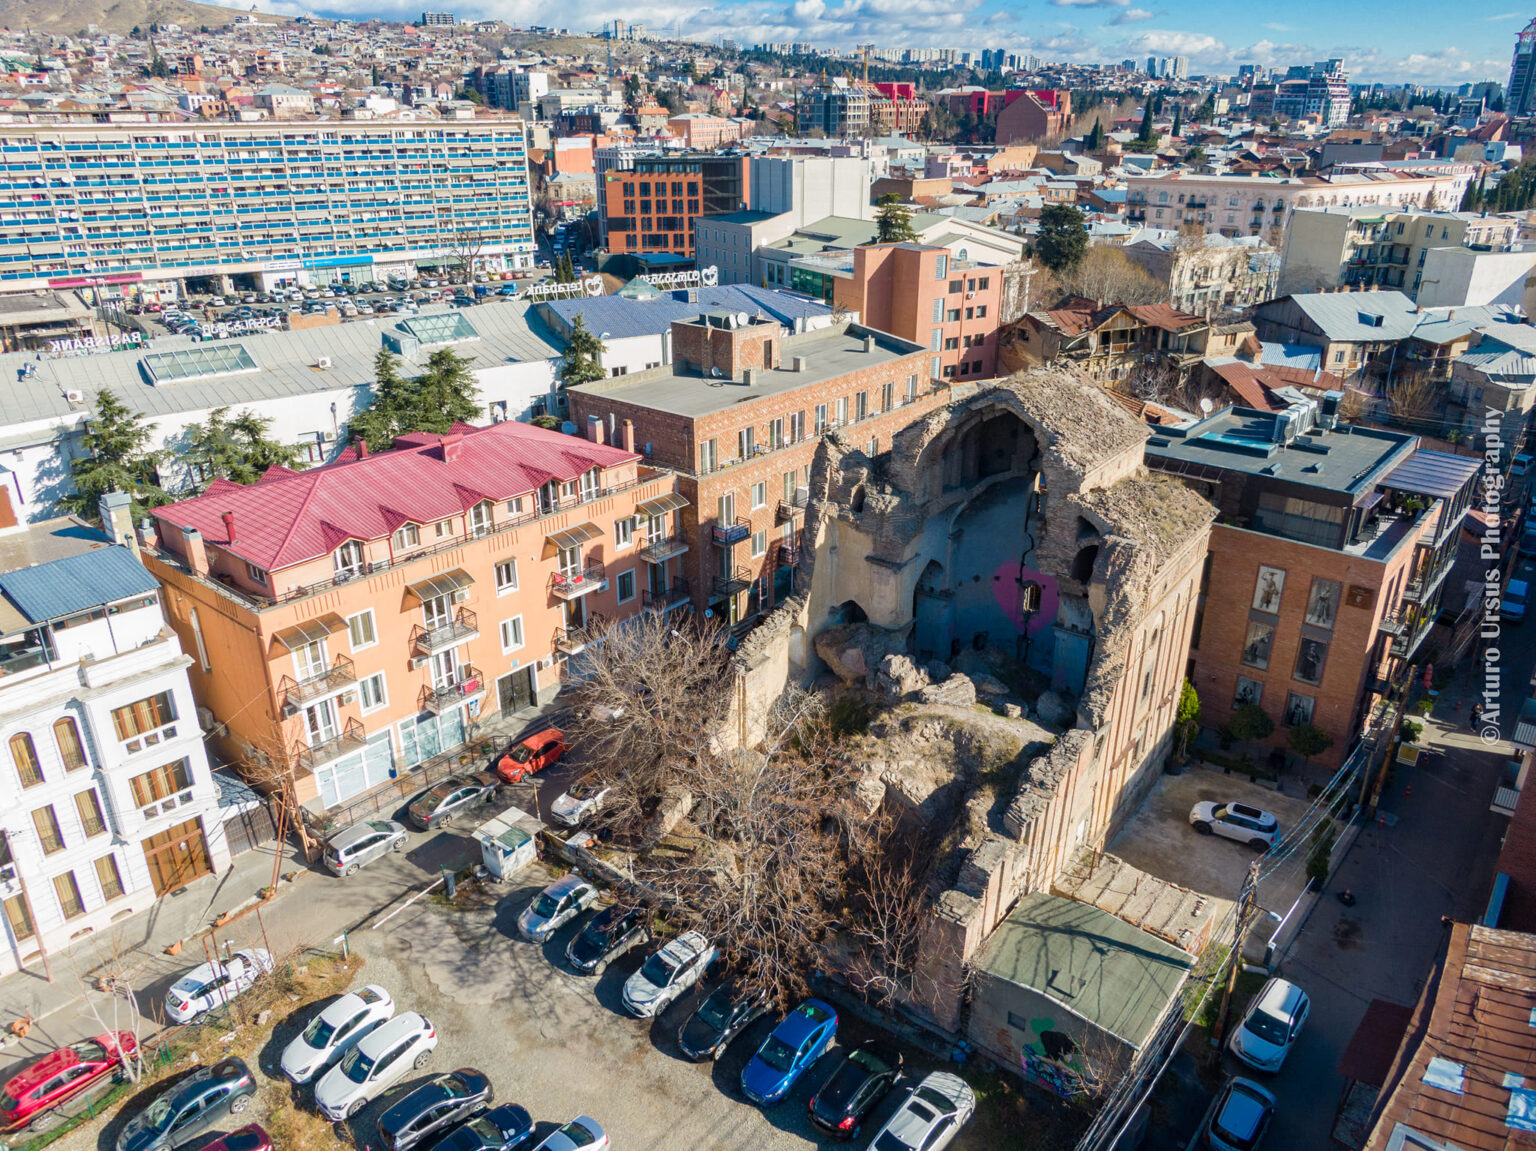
(590, 485)
(349, 560)
(480, 519)
(408, 536)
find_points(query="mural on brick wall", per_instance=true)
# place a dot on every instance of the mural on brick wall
(1051, 1059)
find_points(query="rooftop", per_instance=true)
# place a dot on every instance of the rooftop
(829, 353)
(1115, 976)
(623, 316)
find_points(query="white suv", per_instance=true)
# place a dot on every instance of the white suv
(335, 1031)
(1251, 825)
(1269, 1028)
(668, 973)
(375, 1064)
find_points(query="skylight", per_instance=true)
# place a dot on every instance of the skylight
(203, 362)
(447, 328)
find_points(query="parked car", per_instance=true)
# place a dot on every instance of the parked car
(668, 973)
(801, 1038)
(190, 1106)
(213, 984)
(1240, 1116)
(726, 1012)
(499, 1129)
(583, 797)
(385, 1054)
(32, 1096)
(251, 1137)
(864, 1077)
(930, 1116)
(1270, 1026)
(555, 906)
(605, 937)
(531, 754)
(434, 1107)
(1251, 825)
(335, 1031)
(353, 847)
(1516, 598)
(437, 805)
(582, 1133)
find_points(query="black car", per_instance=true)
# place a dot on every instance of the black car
(437, 806)
(861, 1080)
(434, 1107)
(719, 1019)
(200, 1101)
(606, 936)
(499, 1129)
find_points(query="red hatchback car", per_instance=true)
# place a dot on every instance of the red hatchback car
(251, 1137)
(30, 1097)
(531, 754)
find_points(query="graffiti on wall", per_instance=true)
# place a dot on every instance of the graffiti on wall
(1051, 1059)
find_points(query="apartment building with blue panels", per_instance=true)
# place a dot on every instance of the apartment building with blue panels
(252, 205)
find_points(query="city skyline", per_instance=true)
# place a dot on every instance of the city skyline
(1379, 42)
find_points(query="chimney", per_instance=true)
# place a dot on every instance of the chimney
(116, 510)
(629, 435)
(453, 446)
(595, 430)
(749, 376)
(194, 552)
(362, 446)
(869, 343)
(229, 526)
(801, 363)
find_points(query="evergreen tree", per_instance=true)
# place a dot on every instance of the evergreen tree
(1095, 140)
(117, 458)
(1178, 119)
(565, 270)
(236, 449)
(582, 362)
(893, 221)
(434, 401)
(1144, 133)
(1062, 238)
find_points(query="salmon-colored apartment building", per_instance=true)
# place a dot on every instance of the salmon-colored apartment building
(352, 621)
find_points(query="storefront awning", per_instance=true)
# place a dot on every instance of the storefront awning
(576, 536)
(662, 504)
(444, 583)
(310, 631)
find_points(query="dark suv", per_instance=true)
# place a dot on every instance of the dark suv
(434, 1107)
(200, 1101)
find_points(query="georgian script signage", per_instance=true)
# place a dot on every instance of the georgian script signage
(698, 278)
(222, 329)
(591, 287)
(94, 345)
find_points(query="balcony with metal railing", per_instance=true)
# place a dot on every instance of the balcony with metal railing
(659, 549)
(729, 535)
(738, 581)
(428, 641)
(465, 682)
(575, 640)
(308, 755)
(297, 693)
(573, 583)
(792, 508)
(1411, 632)
(789, 553)
(678, 591)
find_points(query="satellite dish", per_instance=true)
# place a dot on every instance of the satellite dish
(1206, 405)
(742, 319)
(714, 373)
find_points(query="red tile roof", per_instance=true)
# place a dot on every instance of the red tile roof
(287, 517)
(1164, 316)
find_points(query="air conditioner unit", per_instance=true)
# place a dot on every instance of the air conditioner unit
(970, 295)
(348, 697)
(75, 397)
(323, 362)
(460, 595)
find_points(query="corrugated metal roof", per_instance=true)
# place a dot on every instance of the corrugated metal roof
(1437, 474)
(622, 318)
(77, 583)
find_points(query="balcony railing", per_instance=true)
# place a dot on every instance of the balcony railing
(729, 535)
(662, 548)
(789, 553)
(578, 582)
(574, 640)
(1407, 641)
(737, 582)
(678, 592)
(307, 756)
(426, 642)
(789, 509)
(465, 683)
(297, 693)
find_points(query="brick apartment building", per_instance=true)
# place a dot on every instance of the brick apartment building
(1327, 561)
(738, 415)
(1033, 115)
(355, 620)
(923, 294)
(653, 207)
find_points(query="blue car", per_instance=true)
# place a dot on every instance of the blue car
(801, 1039)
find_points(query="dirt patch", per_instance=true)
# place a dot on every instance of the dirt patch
(1347, 934)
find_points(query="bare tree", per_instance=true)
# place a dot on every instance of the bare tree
(889, 914)
(465, 246)
(1191, 237)
(1110, 276)
(1414, 398)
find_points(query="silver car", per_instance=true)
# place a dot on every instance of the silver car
(930, 1117)
(362, 843)
(556, 906)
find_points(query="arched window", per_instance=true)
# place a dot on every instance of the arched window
(349, 560)
(25, 755)
(71, 750)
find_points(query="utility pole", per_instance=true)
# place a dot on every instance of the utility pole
(1245, 903)
(26, 902)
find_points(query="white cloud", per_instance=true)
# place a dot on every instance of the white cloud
(1133, 16)
(1090, 3)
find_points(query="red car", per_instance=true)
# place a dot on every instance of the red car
(29, 1097)
(249, 1138)
(531, 754)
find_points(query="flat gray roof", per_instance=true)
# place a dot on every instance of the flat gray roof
(829, 353)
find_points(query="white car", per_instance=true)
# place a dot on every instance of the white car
(582, 1133)
(378, 1062)
(555, 906)
(1251, 825)
(930, 1116)
(1269, 1028)
(213, 984)
(335, 1031)
(668, 973)
(585, 796)
(1239, 1117)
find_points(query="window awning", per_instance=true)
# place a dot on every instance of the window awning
(662, 504)
(12, 621)
(576, 536)
(444, 583)
(310, 631)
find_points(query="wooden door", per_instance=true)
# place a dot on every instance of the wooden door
(177, 856)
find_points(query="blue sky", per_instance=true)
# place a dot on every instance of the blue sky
(1417, 41)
